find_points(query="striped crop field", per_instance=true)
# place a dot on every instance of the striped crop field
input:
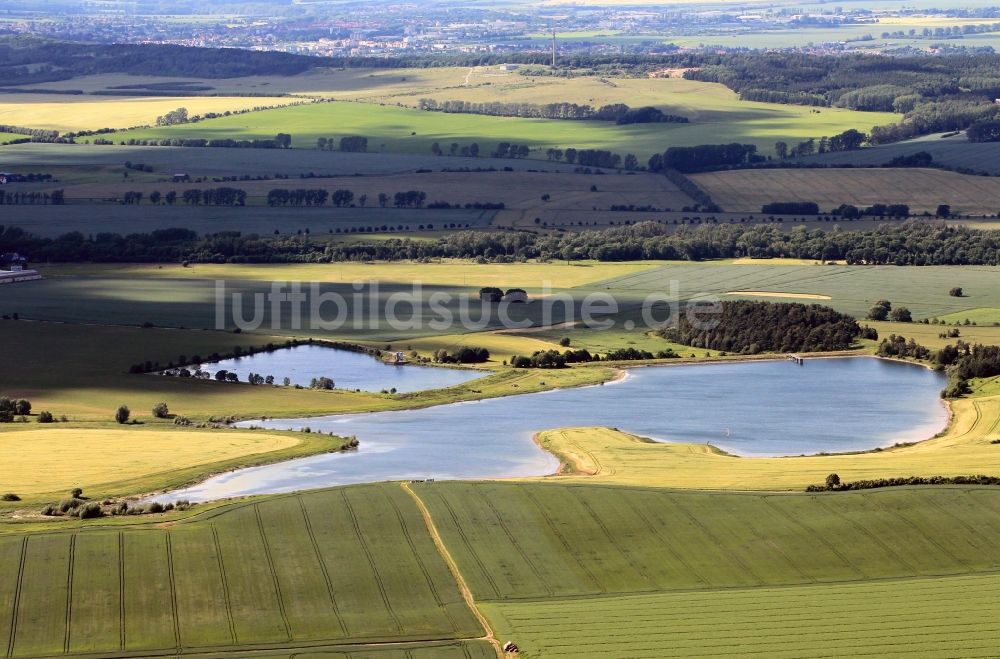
(921, 189)
(325, 569)
(535, 541)
(926, 617)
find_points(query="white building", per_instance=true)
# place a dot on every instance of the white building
(18, 275)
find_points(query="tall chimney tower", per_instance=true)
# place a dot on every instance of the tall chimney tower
(553, 48)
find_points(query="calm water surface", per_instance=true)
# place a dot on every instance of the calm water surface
(750, 408)
(348, 370)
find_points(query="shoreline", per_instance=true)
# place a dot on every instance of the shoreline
(621, 374)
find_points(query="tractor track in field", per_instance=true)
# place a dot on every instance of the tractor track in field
(322, 566)
(463, 587)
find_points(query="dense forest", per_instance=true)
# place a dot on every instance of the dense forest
(749, 328)
(27, 60)
(942, 93)
(918, 242)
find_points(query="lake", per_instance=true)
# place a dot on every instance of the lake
(348, 370)
(747, 408)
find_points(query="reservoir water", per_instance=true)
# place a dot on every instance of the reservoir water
(750, 408)
(348, 370)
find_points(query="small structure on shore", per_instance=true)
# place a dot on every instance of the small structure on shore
(14, 269)
(396, 358)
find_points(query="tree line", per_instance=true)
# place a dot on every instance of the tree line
(619, 113)
(915, 242)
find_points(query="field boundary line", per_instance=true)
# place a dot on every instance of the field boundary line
(371, 560)
(173, 590)
(322, 566)
(69, 593)
(225, 582)
(463, 587)
(121, 590)
(17, 598)
(274, 573)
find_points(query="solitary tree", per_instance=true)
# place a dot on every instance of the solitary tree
(832, 482)
(901, 315)
(880, 311)
(944, 210)
(160, 411)
(122, 414)
(956, 292)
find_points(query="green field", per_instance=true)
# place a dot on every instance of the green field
(851, 289)
(955, 151)
(402, 130)
(559, 569)
(883, 618)
(327, 569)
(534, 541)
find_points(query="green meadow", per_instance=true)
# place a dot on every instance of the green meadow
(403, 130)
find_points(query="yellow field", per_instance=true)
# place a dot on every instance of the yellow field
(793, 296)
(602, 455)
(921, 189)
(47, 460)
(779, 261)
(442, 273)
(502, 346)
(74, 113)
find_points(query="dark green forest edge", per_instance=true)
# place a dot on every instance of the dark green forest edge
(916, 242)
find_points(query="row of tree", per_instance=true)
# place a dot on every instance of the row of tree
(617, 112)
(916, 242)
(348, 144)
(53, 197)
